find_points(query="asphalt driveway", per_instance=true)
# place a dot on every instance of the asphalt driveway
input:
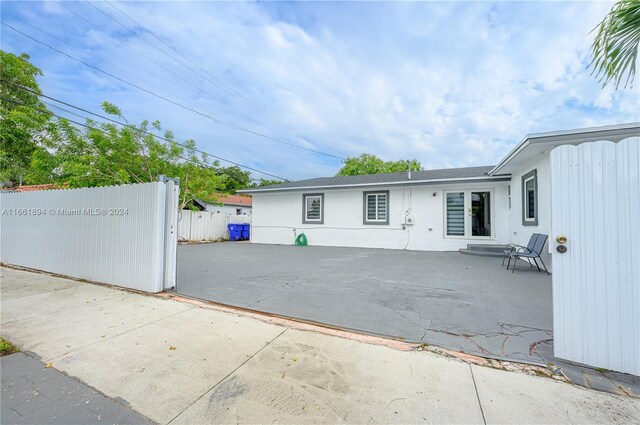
(465, 303)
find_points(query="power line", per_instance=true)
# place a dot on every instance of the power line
(214, 119)
(220, 100)
(131, 127)
(222, 85)
(115, 66)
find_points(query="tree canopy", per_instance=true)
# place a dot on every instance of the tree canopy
(371, 164)
(44, 149)
(24, 119)
(615, 47)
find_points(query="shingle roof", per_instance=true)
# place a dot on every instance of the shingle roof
(391, 178)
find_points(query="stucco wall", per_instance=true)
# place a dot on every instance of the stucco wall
(276, 215)
(229, 209)
(520, 233)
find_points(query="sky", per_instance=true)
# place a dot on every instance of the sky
(452, 84)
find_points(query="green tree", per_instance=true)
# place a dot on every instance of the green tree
(46, 150)
(234, 178)
(401, 165)
(24, 119)
(615, 47)
(267, 182)
(103, 154)
(371, 164)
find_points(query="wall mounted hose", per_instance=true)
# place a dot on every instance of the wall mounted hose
(301, 240)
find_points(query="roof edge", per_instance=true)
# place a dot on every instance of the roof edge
(540, 138)
(393, 183)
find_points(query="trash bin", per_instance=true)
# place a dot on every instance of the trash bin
(235, 231)
(246, 231)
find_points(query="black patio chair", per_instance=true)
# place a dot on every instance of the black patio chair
(530, 254)
(512, 247)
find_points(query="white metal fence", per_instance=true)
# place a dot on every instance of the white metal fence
(120, 235)
(596, 282)
(207, 226)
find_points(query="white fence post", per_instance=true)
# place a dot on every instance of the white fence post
(172, 199)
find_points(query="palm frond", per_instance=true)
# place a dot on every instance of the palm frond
(615, 47)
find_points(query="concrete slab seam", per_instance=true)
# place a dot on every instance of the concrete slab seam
(473, 378)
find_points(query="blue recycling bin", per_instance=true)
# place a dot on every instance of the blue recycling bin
(246, 231)
(235, 231)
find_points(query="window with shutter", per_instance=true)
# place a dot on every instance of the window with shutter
(313, 208)
(376, 207)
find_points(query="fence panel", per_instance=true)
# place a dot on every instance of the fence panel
(207, 226)
(112, 234)
(596, 274)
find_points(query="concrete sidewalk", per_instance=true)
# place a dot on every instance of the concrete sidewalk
(176, 362)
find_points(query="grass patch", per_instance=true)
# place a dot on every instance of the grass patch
(6, 347)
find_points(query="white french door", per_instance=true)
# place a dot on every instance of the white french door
(468, 214)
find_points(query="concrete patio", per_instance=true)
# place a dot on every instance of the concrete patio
(465, 303)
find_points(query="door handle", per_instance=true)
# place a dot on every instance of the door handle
(561, 239)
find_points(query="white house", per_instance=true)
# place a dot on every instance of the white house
(437, 210)
(580, 187)
(231, 204)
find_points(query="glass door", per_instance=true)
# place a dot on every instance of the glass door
(469, 214)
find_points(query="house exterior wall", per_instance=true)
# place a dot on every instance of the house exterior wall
(277, 215)
(520, 233)
(229, 209)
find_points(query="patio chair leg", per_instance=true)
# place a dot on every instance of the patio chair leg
(503, 258)
(509, 262)
(543, 265)
(534, 260)
(529, 260)
(515, 260)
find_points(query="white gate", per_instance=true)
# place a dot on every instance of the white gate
(595, 189)
(121, 235)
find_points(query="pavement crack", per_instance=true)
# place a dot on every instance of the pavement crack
(227, 376)
(411, 321)
(370, 277)
(478, 346)
(396, 399)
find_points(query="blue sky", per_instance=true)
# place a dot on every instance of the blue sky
(451, 84)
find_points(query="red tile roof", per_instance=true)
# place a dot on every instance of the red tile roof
(35, 187)
(235, 200)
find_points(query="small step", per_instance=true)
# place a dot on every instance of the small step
(479, 253)
(486, 247)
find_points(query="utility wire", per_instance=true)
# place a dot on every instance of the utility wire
(218, 82)
(221, 84)
(125, 124)
(178, 76)
(214, 119)
(41, 111)
(161, 89)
